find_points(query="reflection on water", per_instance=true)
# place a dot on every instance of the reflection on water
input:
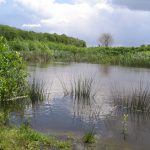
(64, 113)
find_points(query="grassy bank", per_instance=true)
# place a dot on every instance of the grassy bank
(135, 56)
(25, 138)
(45, 47)
(37, 51)
(13, 85)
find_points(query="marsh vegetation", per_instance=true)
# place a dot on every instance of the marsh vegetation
(37, 92)
(75, 104)
(44, 47)
(80, 88)
(137, 100)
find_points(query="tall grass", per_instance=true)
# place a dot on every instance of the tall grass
(37, 91)
(25, 138)
(81, 88)
(40, 51)
(37, 56)
(89, 137)
(82, 94)
(137, 100)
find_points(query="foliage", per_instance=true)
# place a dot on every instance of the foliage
(25, 138)
(3, 118)
(11, 33)
(129, 56)
(12, 73)
(44, 47)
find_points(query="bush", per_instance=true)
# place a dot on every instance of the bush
(18, 45)
(12, 73)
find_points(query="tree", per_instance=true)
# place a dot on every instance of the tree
(106, 39)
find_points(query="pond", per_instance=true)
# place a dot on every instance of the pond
(61, 113)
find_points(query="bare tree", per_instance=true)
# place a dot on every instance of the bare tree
(106, 39)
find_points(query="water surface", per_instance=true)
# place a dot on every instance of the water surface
(59, 113)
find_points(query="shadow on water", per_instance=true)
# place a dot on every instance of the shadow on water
(13, 108)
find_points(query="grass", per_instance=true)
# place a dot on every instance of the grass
(3, 119)
(82, 94)
(37, 91)
(25, 138)
(37, 56)
(89, 137)
(43, 52)
(81, 88)
(136, 101)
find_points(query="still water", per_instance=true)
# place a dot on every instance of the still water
(60, 113)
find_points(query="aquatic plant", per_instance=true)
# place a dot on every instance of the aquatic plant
(36, 91)
(125, 126)
(81, 88)
(89, 137)
(137, 100)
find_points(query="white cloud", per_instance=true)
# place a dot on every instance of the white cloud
(87, 19)
(31, 25)
(2, 1)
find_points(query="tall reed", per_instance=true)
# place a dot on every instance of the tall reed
(81, 88)
(37, 91)
(137, 100)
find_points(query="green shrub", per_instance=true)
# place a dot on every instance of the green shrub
(12, 72)
(18, 45)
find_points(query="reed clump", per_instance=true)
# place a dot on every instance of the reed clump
(37, 91)
(89, 137)
(81, 88)
(138, 100)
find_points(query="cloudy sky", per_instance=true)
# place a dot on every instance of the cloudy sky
(127, 20)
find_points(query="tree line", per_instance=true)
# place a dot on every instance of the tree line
(12, 33)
